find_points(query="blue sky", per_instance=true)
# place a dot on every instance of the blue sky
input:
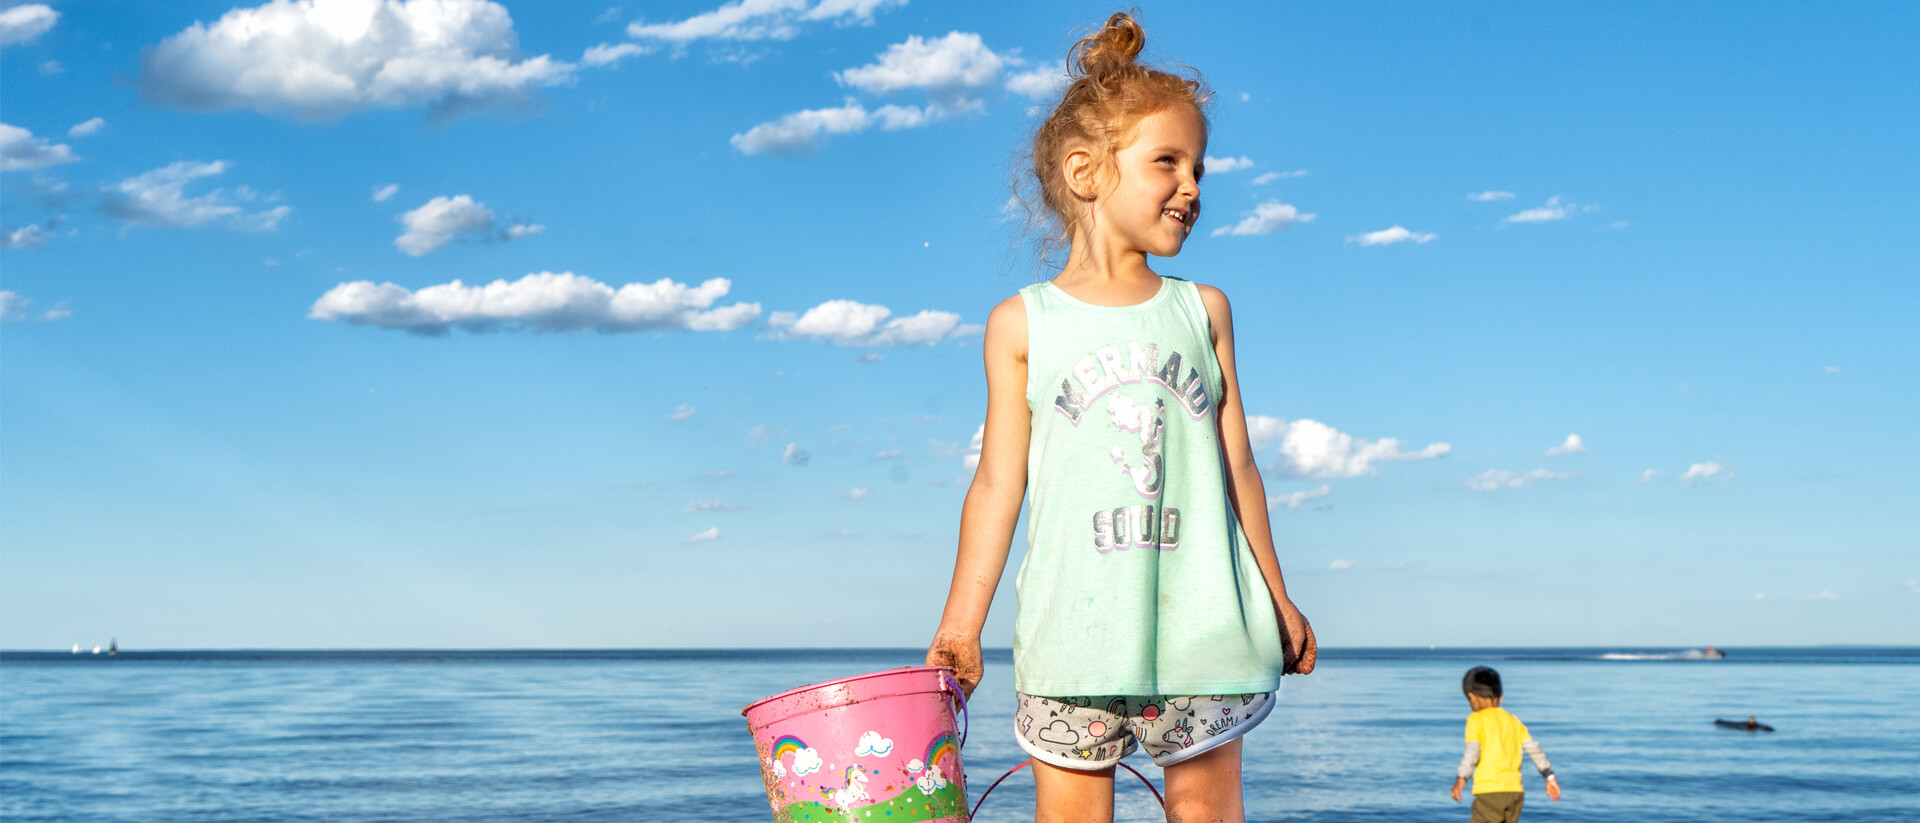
(255, 390)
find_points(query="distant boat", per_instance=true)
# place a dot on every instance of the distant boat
(1747, 725)
(1712, 653)
(113, 646)
(96, 650)
(76, 648)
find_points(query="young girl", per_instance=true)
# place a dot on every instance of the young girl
(1152, 610)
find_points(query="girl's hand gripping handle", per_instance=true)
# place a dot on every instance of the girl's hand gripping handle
(962, 655)
(1296, 636)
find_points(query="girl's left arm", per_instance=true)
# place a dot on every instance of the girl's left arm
(1247, 494)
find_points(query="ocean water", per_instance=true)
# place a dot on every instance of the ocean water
(657, 735)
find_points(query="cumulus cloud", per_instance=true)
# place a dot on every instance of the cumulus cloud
(712, 504)
(1222, 165)
(441, 219)
(702, 537)
(1701, 471)
(1309, 448)
(950, 65)
(1264, 431)
(24, 23)
(19, 149)
(794, 455)
(1340, 565)
(609, 54)
(159, 198)
(1553, 210)
(1648, 476)
(684, 411)
(1490, 196)
(544, 301)
(1388, 237)
(858, 493)
(1267, 218)
(87, 128)
(1571, 445)
(851, 323)
(1759, 595)
(17, 309)
(803, 131)
(381, 193)
(873, 745)
(25, 237)
(760, 20)
(1498, 479)
(1040, 82)
(1294, 500)
(971, 460)
(325, 59)
(1278, 175)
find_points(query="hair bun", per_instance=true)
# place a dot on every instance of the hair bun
(1111, 50)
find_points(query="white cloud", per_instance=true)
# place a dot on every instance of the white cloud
(26, 237)
(1831, 369)
(1294, 500)
(21, 24)
(14, 309)
(1490, 196)
(1388, 237)
(544, 301)
(435, 223)
(19, 149)
(873, 745)
(1498, 479)
(1701, 471)
(158, 198)
(1267, 218)
(1222, 165)
(610, 54)
(971, 460)
(794, 455)
(859, 493)
(1278, 175)
(1553, 210)
(802, 130)
(888, 454)
(710, 534)
(381, 193)
(1340, 565)
(1309, 448)
(684, 411)
(761, 20)
(1040, 82)
(851, 323)
(763, 431)
(869, 357)
(1759, 595)
(1824, 595)
(806, 761)
(1264, 431)
(712, 504)
(525, 230)
(1648, 476)
(960, 60)
(52, 67)
(1571, 445)
(89, 127)
(325, 59)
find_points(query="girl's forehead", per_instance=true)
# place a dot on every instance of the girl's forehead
(1178, 128)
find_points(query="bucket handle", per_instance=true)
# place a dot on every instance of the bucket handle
(960, 695)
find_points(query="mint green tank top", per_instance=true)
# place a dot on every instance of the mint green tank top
(1137, 580)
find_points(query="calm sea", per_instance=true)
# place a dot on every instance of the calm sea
(657, 735)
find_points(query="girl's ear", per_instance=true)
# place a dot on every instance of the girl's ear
(1082, 171)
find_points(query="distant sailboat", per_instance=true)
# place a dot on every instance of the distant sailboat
(113, 645)
(76, 648)
(96, 650)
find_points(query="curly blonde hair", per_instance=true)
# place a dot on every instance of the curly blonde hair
(1110, 91)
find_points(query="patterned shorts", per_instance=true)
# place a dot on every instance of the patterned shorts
(1091, 733)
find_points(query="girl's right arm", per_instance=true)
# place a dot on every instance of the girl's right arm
(993, 500)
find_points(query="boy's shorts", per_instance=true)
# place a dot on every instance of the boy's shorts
(1498, 807)
(1092, 733)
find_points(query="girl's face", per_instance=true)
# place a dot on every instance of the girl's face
(1156, 200)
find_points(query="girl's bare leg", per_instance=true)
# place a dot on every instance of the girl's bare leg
(1072, 796)
(1206, 789)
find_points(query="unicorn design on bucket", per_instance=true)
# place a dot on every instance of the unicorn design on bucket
(855, 792)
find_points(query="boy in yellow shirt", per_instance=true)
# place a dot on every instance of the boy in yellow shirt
(1495, 740)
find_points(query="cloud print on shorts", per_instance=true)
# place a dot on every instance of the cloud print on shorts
(851, 323)
(542, 302)
(806, 761)
(1059, 733)
(873, 745)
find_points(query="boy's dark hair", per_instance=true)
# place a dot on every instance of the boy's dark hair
(1482, 681)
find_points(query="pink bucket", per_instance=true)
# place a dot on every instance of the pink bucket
(868, 748)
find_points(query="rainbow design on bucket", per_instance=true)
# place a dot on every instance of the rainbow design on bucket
(787, 745)
(942, 747)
